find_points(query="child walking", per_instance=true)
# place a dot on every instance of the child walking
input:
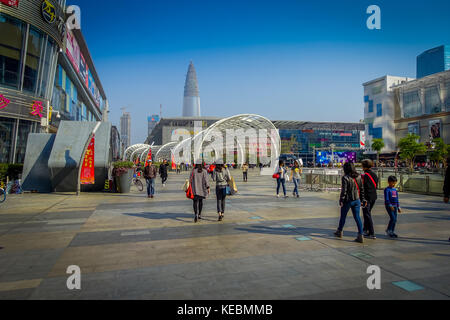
(392, 206)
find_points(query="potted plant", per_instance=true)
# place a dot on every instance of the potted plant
(123, 175)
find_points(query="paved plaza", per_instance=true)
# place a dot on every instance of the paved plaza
(132, 247)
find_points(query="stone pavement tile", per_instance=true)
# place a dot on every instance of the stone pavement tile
(22, 294)
(19, 285)
(36, 241)
(27, 265)
(143, 254)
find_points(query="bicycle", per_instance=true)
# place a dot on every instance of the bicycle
(138, 183)
(2, 195)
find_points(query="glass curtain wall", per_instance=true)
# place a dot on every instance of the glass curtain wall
(412, 106)
(432, 100)
(7, 127)
(25, 128)
(12, 33)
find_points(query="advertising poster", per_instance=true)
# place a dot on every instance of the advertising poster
(435, 129)
(413, 128)
(362, 140)
(149, 157)
(73, 51)
(83, 69)
(88, 169)
(11, 3)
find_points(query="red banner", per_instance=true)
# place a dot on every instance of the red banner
(87, 170)
(11, 3)
(149, 157)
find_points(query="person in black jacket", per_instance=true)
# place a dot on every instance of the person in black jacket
(163, 168)
(352, 196)
(370, 181)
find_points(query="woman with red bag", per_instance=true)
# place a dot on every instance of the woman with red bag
(200, 189)
(280, 175)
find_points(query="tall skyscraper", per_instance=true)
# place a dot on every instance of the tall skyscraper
(152, 122)
(433, 61)
(191, 103)
(125, 130)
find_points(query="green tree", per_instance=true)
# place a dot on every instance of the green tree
(439, 152)
(378, 145)
(410, 148)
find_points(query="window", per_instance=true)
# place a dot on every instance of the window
(377, 133)
(49, 53)
(25, 128)
(412, 107)
(34, 48)
(6, 133)
(379, 110)
(432, 100)
(12, 32)
(370, 106)
(366, 98)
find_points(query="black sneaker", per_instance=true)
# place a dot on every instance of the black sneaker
(196, 219)
(370, 236)
(393, 235)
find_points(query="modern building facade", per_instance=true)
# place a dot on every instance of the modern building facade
(397, 106)
(162, 133)
(423, 108)
(433, 61)
(191, 102)
(152, 122)
(379, 112)
(305, 139)
(125, 130)
(46, 74)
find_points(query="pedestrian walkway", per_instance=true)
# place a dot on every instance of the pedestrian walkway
(132, 247)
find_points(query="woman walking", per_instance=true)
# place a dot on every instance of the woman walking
(221, 176)
(296, 176)
(370, 180)
(281, 180)
(352, 195)
(200, 188)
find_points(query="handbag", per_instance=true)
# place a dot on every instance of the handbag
(228, 191)
(276, 176)
(232, 186)
(189, 192)
(186, 185)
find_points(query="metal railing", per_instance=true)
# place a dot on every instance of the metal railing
(415, 182)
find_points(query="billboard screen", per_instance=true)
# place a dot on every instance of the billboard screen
(435, 129)
(324, 157)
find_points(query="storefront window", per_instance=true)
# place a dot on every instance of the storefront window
(46, 66)
(35, 44)
(25, 128)
(11, 41)
(6, 133)
(411, 104)
(432, 100)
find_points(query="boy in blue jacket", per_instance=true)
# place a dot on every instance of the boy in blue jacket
(392, 205)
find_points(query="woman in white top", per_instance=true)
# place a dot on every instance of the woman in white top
(296, 176)
(281, 181)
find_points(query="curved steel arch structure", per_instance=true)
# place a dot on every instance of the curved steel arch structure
(165, 152)
(243, 121)
(130, 150)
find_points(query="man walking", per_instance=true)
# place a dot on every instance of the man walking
(370, 181)
(163, 168)
(150, 176)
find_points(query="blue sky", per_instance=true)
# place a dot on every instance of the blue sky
(299, 60)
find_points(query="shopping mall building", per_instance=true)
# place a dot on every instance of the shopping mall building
(46, 74)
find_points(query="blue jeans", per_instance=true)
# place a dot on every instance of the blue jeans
(393, 221)
(283, 183)
(150, 186)
(356, 207)
(296, 184)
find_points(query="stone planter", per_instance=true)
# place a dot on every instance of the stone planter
(124, 181)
